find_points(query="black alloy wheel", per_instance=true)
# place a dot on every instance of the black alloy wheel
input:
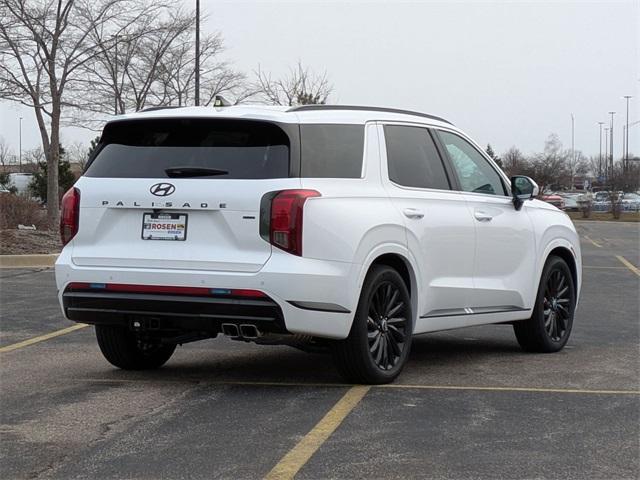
(379, 342)
(386, 326)
(550, 325)
(556, 303)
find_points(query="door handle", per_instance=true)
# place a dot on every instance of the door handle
(482, 216)
(413, 213)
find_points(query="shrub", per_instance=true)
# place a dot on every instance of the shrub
(17, 209)
(38, 185)
(5, 181)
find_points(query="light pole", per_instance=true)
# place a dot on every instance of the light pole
(573, 148)
(197, 76)
(626, 136)
(611, 141)
(600, 156)
(20, 146)
(606, 153)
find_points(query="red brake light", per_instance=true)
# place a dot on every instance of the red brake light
(285, 226)
(164, 289)
(69, 214)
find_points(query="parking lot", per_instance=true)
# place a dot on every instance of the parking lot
(470, 403)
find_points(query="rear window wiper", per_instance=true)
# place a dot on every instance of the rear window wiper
(186, 172)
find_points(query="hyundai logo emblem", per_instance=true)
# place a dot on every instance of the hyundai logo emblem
(162, 189)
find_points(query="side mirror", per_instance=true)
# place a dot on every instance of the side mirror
(523, 188)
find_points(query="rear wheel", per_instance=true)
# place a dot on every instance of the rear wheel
(123, 349)
(549, 327)
(380, 339)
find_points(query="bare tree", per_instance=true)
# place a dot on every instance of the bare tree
(515, 163)
(177, 72)
(301, 86)
(576, 164)
(77, 154)
(43, 46)
(31, 159)
(549, 166)
(152, 63)
(6, 155)
(124, 70)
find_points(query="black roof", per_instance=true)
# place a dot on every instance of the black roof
(306, 108)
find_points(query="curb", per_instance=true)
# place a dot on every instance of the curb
(606, 221)
(28, 261)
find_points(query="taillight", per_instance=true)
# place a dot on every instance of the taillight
(285, 225)
(69, 215)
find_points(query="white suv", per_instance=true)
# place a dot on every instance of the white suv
(347, 229)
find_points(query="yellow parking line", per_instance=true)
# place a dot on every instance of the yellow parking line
(42, 338)
(342, 385)
(628, 264)
(605, 268)
(293, 461)
(596, 244)
(515, 389)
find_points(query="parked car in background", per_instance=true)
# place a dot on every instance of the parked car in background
(555, 200)
(571, 200)
(21, 181)
(631, 202)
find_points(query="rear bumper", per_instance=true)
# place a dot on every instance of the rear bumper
(171, 312)
(305, 296)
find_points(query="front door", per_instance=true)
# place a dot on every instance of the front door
(504, 265)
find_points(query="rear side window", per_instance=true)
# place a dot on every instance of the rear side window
(413, 159)
(332, 151)
(210, 148)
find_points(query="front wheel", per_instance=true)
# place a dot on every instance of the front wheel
(549, 327)
(380, 339)
(123, 349)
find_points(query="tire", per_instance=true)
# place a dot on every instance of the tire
(123, 349)
(549, 327)
(359, 358)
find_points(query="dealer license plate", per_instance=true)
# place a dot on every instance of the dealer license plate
(164, 226)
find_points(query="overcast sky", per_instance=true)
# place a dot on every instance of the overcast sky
(508, 73)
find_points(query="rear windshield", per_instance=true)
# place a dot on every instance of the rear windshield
(211, 148)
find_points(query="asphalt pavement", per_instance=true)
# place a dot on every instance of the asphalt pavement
(469, 404)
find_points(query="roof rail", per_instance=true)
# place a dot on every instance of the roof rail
(306, 108)
(152, 109)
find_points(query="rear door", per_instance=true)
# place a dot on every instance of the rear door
(440, 231)
(505, 247)
(182, 193)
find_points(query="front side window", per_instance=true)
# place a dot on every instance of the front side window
(475, 173)
(413, 159)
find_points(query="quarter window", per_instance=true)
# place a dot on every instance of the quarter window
(332, 151)
(474, 171)
(413, 159)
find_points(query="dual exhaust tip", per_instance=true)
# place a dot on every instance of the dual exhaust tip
(244, 330)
